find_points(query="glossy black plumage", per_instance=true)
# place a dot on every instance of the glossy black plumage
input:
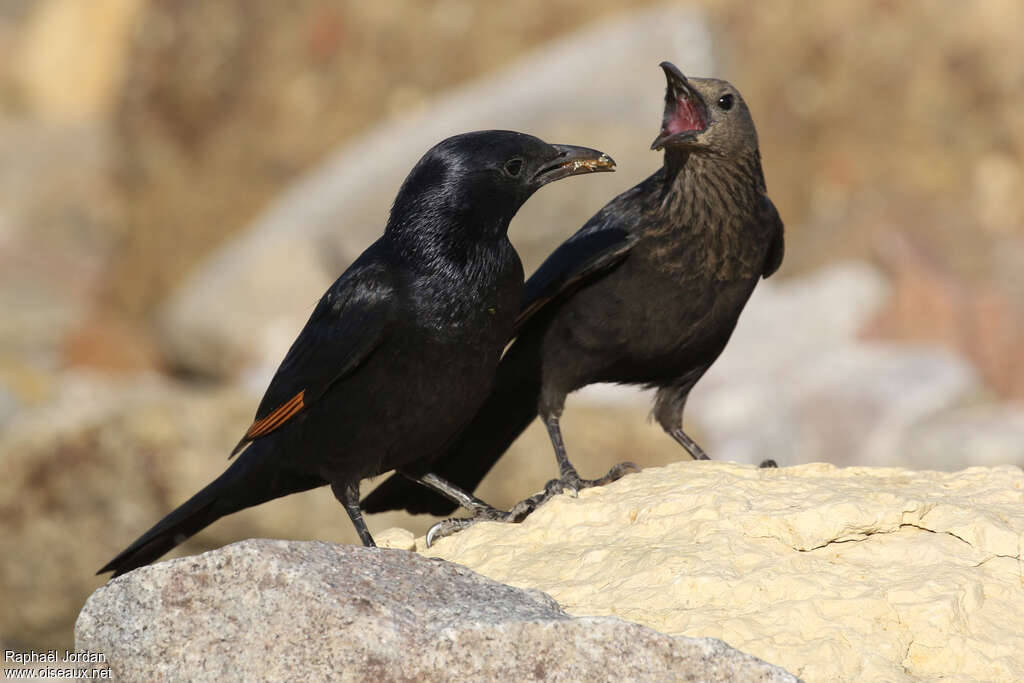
(401, 350)
(647, 292)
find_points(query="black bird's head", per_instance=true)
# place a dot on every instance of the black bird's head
(481, 179)
(704, 115)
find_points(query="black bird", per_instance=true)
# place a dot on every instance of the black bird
(647, 292)
(401, 350)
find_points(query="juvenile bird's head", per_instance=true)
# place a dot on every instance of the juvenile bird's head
(477, 181)
(704, 116)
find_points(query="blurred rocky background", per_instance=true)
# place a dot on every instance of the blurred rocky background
(180, 179)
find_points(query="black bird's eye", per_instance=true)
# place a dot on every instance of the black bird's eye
(513, 167)
(725, 102)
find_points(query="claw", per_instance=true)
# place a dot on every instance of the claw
(616, 473)
(448, 527)
(431, 532)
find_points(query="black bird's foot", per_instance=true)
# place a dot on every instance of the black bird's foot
(522, 509)
(457, 524)
(768, 464)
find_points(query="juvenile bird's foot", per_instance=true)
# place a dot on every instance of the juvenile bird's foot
(569, 481)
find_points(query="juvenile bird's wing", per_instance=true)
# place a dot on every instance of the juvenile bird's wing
(595, 249)
(770, 217)
(348, 324)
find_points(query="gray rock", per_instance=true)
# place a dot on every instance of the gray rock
(849, 404)
(797, 384)
(600, 87)
(275, 610)
(785, 321)
(982, 435)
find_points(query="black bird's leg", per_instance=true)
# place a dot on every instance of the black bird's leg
(569, 479)
(454, 493)
(481, 510)
(348, 495)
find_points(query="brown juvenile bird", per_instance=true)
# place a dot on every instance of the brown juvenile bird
(647, 292)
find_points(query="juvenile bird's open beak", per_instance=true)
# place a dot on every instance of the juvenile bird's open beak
(686, 114)
(572, 160)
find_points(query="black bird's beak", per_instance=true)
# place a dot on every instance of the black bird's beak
(686, 113)
(572, 160)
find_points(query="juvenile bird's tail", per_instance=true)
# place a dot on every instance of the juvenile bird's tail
(250, 480)
(508, 411)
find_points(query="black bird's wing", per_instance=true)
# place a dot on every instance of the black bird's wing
(346, 326)
(349, 322)
(586, 254)
(597, 248)
(769, 216)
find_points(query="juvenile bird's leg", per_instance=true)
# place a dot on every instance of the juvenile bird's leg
(348, 495)
(668, 411)
(695, 451)
(569, 478)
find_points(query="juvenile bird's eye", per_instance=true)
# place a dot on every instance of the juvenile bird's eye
(725, 102)
(513, 167)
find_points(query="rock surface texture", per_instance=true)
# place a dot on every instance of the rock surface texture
(276, 610)
(834, 574)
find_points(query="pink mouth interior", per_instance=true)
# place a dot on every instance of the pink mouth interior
(686, 116)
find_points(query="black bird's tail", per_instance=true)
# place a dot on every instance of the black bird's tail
(508, 411)
(250, 480)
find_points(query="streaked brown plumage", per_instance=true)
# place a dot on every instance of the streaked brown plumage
(647, 292)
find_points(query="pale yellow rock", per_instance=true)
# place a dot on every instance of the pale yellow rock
(862, 574)
(395, 537)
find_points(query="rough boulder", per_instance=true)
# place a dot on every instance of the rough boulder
(308, 611)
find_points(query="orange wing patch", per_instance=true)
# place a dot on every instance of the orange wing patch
(278, 417)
